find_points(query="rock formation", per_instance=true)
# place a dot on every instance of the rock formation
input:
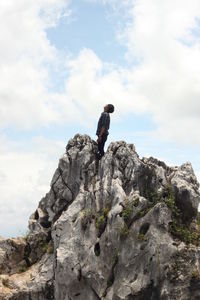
(122, 228)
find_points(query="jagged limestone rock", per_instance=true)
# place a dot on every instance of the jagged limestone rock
(12, 255)
(121, 228)
(35, 282)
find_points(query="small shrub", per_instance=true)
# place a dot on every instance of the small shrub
(5, 282)
(198, 223)
(171, 202)
(126, 214)
(26, 235)
(170, 198)
(174, 268)
(136, 202)
(124, 231)
(46, 247)
(127, 211)
(195, 276)
(184, 233)
(155, 197)
(141, 237)
(149, 191)
(50, 247)
(23, 269)
(178, 228)
(86, 218)
(143, 212)
(43, 246)
(100, 222)
(106, 211)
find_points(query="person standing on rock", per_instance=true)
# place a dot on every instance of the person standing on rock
(102, 129)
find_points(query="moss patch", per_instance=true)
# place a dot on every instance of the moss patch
(141, 237)
(101, 221)
(178, 228)
(127, 211)
(86, 217)
(124, 231)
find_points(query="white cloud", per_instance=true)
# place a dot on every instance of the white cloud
(25, 54)
(165, 81)
(93, 83)
(25, 177)
(161, 37)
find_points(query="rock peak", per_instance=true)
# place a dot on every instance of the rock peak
(119, 228)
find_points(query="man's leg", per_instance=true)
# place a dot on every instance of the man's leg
(101, 146)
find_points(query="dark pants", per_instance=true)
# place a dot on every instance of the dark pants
(101, 146)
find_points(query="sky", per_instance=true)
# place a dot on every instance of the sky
(61, 61)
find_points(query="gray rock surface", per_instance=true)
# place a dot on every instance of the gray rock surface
(121, 228)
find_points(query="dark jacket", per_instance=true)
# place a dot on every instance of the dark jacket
(104, 121)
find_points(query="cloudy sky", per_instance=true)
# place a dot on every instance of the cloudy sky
(62, 60)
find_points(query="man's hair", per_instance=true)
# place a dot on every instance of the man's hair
(111, 108)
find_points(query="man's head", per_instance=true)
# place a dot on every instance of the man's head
(109, 108)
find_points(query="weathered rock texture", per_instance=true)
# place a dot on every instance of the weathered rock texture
(120, 228)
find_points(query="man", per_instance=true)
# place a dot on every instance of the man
(102, 129)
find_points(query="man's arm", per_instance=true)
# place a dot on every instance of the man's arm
(100, 134)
